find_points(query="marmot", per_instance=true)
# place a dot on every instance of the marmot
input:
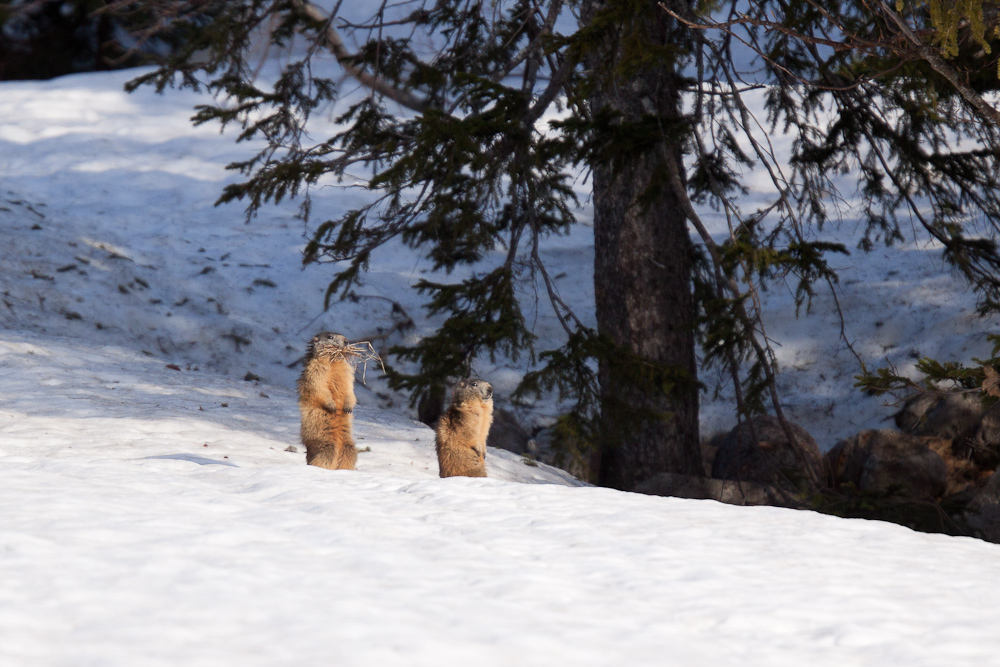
(326, 401)
(461, 433)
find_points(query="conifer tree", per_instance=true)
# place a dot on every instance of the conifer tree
(654, 108)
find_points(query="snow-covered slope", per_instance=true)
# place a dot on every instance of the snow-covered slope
(113, 403)
(150, 513)
(143, 523)
(106, 200)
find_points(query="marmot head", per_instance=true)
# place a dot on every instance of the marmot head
(326, 344)
(472, 388)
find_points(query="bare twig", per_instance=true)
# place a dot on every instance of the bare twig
(375, 83)
(360, 352)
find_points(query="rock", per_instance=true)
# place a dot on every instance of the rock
(571, 455)
(724, 491)
(507, 433)
(968, 439)
(946, 415)
(769, 458)
(982, 514)
(962, 473)
(888, 461)
(981, 444)
(912, 413)
(709, 448)
(431, 405)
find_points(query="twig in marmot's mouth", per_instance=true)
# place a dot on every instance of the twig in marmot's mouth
(360, 352)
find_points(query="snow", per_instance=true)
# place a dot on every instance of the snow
(126, 543)
(152, 515)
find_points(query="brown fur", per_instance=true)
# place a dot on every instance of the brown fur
(326, 401)
(462, 431)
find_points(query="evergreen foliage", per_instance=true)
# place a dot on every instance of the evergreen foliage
(957, 21)
(469, 170)
(938, 376)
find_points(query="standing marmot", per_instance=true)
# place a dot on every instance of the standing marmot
(326, 401)
(462, 431)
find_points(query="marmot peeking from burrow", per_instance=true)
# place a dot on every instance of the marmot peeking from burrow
(326, 401)
(461, 433)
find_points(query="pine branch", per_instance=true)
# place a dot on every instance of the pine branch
(931, 56)
(374, 82)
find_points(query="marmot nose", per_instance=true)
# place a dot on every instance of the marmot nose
(489, 392)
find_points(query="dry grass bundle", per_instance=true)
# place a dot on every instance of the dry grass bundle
(360, 352)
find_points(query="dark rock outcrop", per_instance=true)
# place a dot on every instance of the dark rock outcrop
(759, 451)
(981, 444)
(888, 462)
(945, 415)
(507, 433)
(724, 491)
(982, 513)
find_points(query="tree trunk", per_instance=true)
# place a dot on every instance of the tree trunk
(642, 273)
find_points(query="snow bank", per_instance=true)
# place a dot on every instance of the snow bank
(146, 524)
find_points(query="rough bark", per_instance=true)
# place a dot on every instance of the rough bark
(642, 276)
